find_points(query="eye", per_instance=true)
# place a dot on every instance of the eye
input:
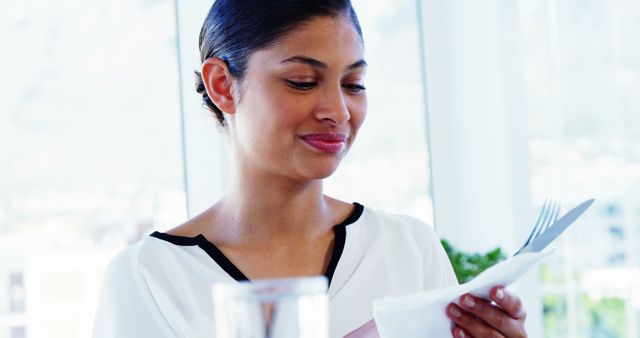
(353, 87)
(302, 85)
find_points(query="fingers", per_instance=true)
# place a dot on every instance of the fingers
(480, 318)
(509, 302)
(468, 325)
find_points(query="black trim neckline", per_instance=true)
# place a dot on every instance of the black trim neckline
(233, 271)
(207, 247)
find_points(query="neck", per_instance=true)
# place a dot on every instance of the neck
(268, 208)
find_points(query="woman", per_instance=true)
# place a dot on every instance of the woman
(285, 79)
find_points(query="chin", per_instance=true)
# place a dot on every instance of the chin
(320, 175)
(319, 172)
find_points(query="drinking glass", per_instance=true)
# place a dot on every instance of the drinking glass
(269, 308)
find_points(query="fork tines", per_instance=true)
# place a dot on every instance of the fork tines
(548, 215)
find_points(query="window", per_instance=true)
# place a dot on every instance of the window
(89, 152)
(582, 79)
(531, 100)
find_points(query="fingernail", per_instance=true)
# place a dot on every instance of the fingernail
(468, 302)
(499, 294)
(454, 312)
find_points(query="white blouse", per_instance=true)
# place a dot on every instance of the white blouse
(161, 286)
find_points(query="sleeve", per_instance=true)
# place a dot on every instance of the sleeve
(126, 307)
(442, 263)
(438, 271)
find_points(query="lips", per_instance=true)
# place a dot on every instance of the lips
(326, 142)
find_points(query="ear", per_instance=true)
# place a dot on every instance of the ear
(218, 82)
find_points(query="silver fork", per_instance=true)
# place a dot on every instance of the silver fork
(548, 215)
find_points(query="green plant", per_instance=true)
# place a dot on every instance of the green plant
(468, 265)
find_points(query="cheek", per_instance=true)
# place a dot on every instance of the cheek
(268, 121)
(278, 107)
(358, 114)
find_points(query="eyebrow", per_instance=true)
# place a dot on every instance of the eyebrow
(319, 64)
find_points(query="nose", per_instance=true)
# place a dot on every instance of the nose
(333, 107)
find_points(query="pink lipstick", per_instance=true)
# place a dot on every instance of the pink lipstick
(326, 143)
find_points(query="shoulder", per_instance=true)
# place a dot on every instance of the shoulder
(127, 307)
(124, 267)
(402, 225)
(400, 233)
(122, 264)
(131, 265)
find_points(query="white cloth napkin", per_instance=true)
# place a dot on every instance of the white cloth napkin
(423, 314)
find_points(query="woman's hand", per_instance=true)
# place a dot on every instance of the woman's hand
(479, 318)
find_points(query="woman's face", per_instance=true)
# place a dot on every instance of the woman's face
(302, 101)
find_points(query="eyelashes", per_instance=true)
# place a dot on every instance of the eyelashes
(353, 88)
(302, 85)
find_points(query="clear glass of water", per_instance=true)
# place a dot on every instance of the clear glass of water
(282, 308)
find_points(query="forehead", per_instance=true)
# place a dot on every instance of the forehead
(332, 40)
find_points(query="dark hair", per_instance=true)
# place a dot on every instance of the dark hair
(234, 29)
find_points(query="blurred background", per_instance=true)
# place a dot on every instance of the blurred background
(478, 112)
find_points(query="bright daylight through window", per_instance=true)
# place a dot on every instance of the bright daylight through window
(582, 87)
(90, 155)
